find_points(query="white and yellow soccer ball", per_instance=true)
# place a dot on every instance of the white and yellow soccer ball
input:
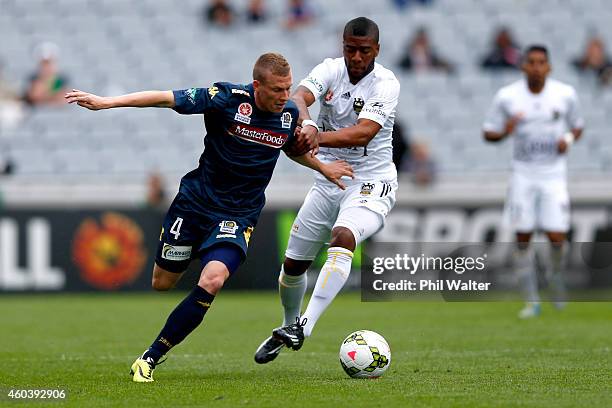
(365, 354)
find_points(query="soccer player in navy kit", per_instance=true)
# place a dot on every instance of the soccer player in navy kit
(218, 204)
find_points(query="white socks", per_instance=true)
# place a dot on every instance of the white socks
(291, 290)
(555, 271)
(524, 261)
(331, 279)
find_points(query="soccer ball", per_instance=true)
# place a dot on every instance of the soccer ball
(365, 354)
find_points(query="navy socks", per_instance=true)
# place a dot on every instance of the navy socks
(183, 320)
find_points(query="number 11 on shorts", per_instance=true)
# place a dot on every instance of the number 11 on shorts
(176, 228)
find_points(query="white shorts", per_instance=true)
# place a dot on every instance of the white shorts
(538, 204)
(361, 208)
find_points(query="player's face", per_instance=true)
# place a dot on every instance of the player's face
(272, 93)
(359, 54)
(536, 66)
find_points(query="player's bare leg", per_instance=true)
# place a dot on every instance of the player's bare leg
(164, 280)
(524, 261)
(555, 267)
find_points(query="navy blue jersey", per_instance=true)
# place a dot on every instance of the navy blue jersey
(241, 147)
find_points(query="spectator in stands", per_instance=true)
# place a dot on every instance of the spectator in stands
(47, 86)
(6, 166)
(156, 192)
(402, 4)
(595, 60)
(421, 165)
(11, 104)
(218, 13)
(421, 57)
(505, 52)
(300, 14)
(401, 145)
(256, 11)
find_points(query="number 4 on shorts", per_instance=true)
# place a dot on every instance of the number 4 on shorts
(176, 228)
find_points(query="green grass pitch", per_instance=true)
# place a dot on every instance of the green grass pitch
(443, 354)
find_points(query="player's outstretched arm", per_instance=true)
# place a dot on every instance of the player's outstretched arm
(146, 99)
(332, 171)
(356, 135)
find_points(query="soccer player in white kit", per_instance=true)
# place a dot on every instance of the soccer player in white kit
(358, 98)
(543, 117)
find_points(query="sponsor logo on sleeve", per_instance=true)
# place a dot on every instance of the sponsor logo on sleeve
(213, 91)
(191, 94)
(244, 113)
(176, 252)
(286, 120)
(318, 85)
(375, 111)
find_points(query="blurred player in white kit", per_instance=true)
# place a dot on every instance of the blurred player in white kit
(543, 117)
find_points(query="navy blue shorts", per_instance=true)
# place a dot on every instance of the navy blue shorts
(189, 234)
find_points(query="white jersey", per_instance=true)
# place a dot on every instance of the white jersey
(374, 97)
(545, 118)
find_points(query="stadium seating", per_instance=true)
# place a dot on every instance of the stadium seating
(117, 46)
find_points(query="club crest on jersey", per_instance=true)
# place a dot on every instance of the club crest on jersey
(366, 189)
(244, 113)
(286, 120)
(228, 227)
(358, 105)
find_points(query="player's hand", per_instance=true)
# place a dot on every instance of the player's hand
(308, 136)
(335, 170)
(87, 100)
(562, 146)
(511, 124)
